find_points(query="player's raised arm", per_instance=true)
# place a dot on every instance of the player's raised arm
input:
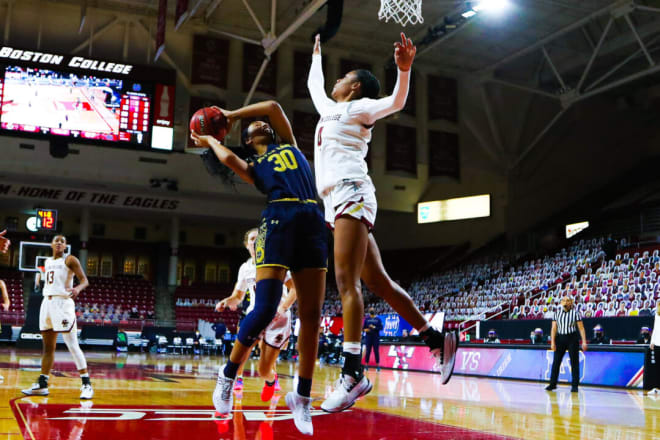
(275, 113)
(225, 155)
(370, 110)
(315, 79)
(74, 264)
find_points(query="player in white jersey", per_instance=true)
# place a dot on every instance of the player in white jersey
(58, 315)
(340, 148)
(277, 333)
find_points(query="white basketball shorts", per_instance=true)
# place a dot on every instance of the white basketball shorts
(58, 313)
(354, 198)
(278, 331)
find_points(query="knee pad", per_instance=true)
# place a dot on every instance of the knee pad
(266, 300)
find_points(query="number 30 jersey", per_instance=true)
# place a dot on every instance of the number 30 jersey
(58, 277)
(283, 173)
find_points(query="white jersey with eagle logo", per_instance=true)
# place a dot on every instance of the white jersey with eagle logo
(58, 311)
(344, 130)
(58, 277)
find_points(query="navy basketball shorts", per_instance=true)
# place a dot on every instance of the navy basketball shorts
(292, 235)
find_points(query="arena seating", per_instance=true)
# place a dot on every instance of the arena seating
(122, 300)
(198, 302)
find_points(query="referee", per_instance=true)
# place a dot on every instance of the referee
(565, 326)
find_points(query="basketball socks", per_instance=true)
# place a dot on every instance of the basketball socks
(270, 384)
(304, 386)
(231, 369)
(43, 381)
(85, 379)
(352, 360)
(432, 338)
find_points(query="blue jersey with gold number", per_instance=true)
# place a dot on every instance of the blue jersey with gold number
(283, 172)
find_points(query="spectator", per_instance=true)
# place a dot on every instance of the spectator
(622, 310)
(644, 336)
(537, 337)
(600, 312)
(611, 311)
(220, 329)
(599, 336)
(121, 341)
(492, 337)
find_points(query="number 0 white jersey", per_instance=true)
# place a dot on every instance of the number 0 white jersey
(344, 130)
(247, 281)
(58, 277)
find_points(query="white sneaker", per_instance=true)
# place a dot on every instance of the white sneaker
(35, 390)
(86, 392)
(346, 393)
(222, 395)
(300, 407)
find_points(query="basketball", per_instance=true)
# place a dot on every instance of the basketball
(209, 121)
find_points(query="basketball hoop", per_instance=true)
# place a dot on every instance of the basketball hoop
(401, 11)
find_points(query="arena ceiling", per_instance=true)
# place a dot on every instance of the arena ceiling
(479, 44)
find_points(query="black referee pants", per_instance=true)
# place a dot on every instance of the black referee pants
(570, 342)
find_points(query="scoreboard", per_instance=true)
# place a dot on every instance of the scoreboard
(95, 101)
(46, 219)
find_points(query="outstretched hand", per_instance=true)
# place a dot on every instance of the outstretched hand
(317, 45)
(203, 141)
(229, 116)
(404, 53)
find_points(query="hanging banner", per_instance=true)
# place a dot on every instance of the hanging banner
(160, 29)
(210, 61)
(443, 154)
(443, 98)
(401, 149)
(304, 126)
(181, 13)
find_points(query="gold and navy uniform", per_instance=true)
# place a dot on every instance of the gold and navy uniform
(292, 233)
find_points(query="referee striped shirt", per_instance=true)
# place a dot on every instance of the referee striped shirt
(567, 321)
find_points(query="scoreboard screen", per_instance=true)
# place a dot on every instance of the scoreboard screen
(92, 100)
(46, 219)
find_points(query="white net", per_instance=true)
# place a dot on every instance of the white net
(401, 11)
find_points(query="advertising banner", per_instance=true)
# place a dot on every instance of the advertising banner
(609, 368)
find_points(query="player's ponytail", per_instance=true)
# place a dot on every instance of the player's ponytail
(370, 86)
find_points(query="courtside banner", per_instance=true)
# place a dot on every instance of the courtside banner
(609, 368)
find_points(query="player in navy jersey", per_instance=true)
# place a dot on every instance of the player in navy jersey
(292, 236)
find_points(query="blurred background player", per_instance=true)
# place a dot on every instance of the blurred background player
(277, 333)
(372, 327)
(342, 178)
(58, 315)
(292, 235)
(5, 304)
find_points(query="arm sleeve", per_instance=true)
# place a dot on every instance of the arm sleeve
(316, 85)
(371, 110)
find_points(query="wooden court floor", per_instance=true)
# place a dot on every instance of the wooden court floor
(141, 396)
